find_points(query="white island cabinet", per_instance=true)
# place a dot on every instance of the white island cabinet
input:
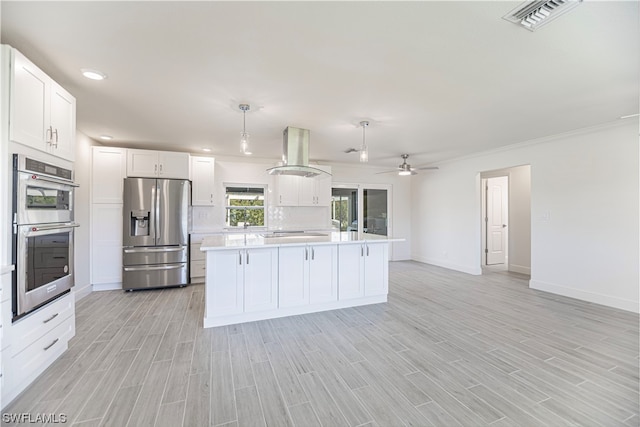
(255, 277)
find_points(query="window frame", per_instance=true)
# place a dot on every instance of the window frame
(227, 207)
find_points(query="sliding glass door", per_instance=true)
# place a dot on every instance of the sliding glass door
(373, 218)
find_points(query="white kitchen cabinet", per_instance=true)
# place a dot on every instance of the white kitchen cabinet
(286, 190)
(363, 270)
(307, 275)
(107, 176)
(157, 164)
(107, 173)
(202, 180)
(36, 341)
(260, 279)
(42, 113)
(243, 281)
(106, 246)
(291, 190)
(376, 269)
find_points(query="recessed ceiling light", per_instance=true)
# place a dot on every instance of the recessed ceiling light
(93, 74)
(206, 149)
(106, 137)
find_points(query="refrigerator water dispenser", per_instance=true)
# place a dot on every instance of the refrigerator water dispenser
(139, 223)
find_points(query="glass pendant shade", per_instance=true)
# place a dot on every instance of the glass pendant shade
(364, 150)
(244, 136)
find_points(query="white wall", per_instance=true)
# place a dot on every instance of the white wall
(82, 255)
(584, 213)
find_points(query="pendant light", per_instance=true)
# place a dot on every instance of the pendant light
(244, 136)
(364, 150)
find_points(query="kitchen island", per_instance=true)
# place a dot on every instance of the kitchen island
(263, 276)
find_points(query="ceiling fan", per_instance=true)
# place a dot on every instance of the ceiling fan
(406, 169)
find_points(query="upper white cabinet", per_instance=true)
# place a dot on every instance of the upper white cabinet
(300, 191)
(202, 180)
(42, 114)
(157, 164)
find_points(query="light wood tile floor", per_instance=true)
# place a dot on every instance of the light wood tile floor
(448, 349)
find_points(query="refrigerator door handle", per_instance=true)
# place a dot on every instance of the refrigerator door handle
(155, 267)
(156, 212)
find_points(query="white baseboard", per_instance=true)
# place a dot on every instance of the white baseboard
(520, 269)
(82, 292)
(596, 298)
(107, 287)
(476, 271)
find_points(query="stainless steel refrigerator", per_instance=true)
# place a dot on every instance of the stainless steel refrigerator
(155, 233)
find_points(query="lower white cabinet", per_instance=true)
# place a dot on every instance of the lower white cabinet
(363, 270)
(35, 342)
(244, 281)
(307, 275)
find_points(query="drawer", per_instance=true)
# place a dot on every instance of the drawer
(29, 329)
(196, 253)
(154, 255)
(20, 369)
(198, 269)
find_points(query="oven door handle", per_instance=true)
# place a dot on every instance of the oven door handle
(37, 177)
(155, 267)
(58, 226)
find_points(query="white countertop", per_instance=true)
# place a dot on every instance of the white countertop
(258, 240)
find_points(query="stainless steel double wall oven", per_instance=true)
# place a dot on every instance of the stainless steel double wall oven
(43, 233)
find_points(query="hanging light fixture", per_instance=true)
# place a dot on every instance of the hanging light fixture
(244, 136)
(364, 150)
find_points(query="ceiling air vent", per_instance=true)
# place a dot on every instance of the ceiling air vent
(534, 14)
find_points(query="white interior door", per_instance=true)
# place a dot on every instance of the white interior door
(496, 217)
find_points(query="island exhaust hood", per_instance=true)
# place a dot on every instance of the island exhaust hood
(295, 155)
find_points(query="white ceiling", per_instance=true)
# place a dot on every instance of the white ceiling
(435, 79)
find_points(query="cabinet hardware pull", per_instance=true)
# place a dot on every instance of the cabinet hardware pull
(51, 345)
(313, 254)
(367, 250)
(361, 250)
(50, 318)
(155, 168)
(160, 167)
(49, 134)
(56, 132)
(306, 254)
(239, 258)
(247, 257)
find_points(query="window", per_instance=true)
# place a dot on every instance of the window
(244, 206)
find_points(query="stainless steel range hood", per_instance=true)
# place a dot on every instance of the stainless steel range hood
(295, 155)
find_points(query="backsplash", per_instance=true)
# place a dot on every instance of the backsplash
(298, 218)
(204, 218)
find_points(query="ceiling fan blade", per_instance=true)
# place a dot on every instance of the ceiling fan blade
(378, 173)
(351, 150)
(426, 168)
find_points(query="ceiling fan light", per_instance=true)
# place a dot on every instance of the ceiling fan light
(404, 173)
